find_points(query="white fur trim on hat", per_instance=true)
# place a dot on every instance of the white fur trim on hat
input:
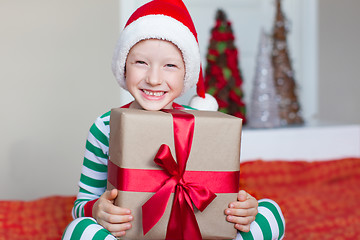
(158, 27)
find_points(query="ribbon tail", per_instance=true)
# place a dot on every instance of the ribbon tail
(191, 227)
(174, 227)
(155, 207)
(182, 223)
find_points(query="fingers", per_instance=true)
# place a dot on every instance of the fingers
(113, 218)
(110, 194)
(113, 210)
(248, 204)
(116, 224)
(245, 201)
(242, 212)
(240, 220)
(242, 196)
(118, 230)
(106, 204)
(241, 223)
(243, 228)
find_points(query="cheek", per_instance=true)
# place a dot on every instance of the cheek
(180, 81)
(130, 78)
(178, 84)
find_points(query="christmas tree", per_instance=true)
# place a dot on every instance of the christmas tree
(222, 76)
(289, 108)
(263, 110)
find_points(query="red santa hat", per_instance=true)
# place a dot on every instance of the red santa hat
(167, 20)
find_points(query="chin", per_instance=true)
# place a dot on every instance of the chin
(155, 105)
(152, 106)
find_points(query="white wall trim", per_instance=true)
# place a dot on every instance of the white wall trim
(312, 143)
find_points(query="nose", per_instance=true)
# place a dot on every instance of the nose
(154, 77)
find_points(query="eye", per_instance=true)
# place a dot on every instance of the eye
(170, 65)
(140, 62)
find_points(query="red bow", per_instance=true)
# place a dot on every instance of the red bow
(182, 223)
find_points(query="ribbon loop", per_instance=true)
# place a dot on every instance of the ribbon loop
(166, 161)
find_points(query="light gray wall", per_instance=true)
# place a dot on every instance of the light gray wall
(55, 59)
(339, 64)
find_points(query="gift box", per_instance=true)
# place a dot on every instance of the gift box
(176, 171)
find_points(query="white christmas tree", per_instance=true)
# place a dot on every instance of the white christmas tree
(263, 109)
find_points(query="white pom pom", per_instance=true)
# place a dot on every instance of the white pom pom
(208, 103)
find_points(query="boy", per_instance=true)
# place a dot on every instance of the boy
(157, 59)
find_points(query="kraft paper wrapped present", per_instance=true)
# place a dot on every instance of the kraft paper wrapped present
(168, 165)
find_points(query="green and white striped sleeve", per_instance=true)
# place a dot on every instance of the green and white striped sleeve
(269, 223)
(93, 177)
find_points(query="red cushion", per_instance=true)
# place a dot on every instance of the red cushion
(319, 199)
(44, 218)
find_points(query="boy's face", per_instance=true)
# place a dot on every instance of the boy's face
(154, 74)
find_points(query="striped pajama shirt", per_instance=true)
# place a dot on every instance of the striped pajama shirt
(269, 223)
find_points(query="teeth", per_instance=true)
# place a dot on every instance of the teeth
(156, 94)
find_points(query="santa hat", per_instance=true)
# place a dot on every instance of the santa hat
(167, 20)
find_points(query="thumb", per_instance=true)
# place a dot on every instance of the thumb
(111, 194)
(242, 196)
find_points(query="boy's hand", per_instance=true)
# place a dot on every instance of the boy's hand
(242, 212)
(115, 219)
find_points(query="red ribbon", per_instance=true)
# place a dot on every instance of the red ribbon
(151, 180)
(182, 223)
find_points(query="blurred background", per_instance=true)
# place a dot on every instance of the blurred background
(55, 59)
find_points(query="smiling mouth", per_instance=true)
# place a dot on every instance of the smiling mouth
(152, 93)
